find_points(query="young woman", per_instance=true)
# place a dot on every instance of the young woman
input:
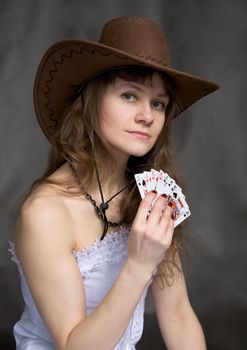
(87, 247)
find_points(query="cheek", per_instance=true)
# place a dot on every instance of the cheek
(109, 125)
(160, 125)
(112, 120)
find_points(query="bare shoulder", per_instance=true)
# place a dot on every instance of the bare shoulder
(52, 216)
(44, 217)
(58, 219)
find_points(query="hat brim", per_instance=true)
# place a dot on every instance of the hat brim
(68, 64)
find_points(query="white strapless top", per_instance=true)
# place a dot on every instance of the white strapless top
(99, 266)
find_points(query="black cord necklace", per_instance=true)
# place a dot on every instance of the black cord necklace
(101, 210)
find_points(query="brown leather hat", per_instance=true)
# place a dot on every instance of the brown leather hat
(124, 41)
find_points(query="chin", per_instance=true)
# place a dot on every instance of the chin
(139, 153)
(135, 151)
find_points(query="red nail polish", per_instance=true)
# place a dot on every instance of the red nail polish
(164, 195)
(170, 204)
(154, 191)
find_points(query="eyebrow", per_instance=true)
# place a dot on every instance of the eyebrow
(140, 88)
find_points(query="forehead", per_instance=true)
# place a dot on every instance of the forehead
(154, 81)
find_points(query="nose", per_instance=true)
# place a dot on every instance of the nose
(145, 114)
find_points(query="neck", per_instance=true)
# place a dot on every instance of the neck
(114, 180)
(111, 182)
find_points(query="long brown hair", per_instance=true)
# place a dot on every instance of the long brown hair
(78, 139)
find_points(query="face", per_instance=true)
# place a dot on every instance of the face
(132, 115)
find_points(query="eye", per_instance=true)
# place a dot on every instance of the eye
(160, 106)
(127, 96)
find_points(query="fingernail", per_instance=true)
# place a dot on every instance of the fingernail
(164, 195)
(154, 191)
(170, 204)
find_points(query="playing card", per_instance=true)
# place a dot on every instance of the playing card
(181, 210)
(142, 184)
(163, 177)
(164, 184)
(182, 217)
(170, 181)
(163, 188)
(154, 178)
(178, 197)
(148, 179)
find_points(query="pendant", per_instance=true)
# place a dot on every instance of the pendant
(104, 206)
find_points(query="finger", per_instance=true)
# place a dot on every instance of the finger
(166, 221)
(168, 233)
(167, 212)
(145, 206)
(170, 230)
(157, 211)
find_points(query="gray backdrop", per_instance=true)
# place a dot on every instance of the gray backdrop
(206, 38)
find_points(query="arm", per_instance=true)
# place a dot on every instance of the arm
(178, 323)
(44, 241)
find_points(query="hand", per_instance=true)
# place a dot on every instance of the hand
(151, 232)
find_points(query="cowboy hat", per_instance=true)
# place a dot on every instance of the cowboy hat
(124, 41)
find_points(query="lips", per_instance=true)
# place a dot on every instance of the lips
(140, 134)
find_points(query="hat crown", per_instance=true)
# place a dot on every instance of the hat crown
(137, 36)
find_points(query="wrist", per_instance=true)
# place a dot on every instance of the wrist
(137, 272)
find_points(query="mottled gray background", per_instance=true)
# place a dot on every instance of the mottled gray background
(207, 38)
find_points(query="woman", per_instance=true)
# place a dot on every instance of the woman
(87, 247)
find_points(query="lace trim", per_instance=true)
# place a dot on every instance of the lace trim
(13, 256)
(134, 330)
(138, 320)
(11, 249)
(112, 248)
